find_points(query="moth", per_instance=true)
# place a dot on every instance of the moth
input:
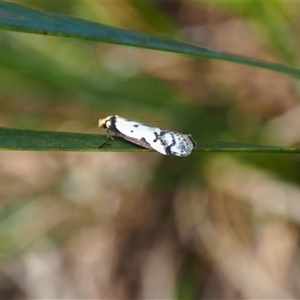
(163, 141)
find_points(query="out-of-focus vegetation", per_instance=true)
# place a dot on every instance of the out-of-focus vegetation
(142, 225)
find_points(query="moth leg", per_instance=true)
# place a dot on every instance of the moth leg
(107, 138)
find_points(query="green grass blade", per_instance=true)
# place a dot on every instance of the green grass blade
(244, 147)
(19, 139)
(23, 139)
(18, 18)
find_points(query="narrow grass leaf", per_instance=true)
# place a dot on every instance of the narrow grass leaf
(21, 139)
(19, 18)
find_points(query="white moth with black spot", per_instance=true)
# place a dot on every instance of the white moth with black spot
(163, 141)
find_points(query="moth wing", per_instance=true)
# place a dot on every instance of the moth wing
(153, 138)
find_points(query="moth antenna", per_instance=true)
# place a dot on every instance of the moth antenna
(151, 121)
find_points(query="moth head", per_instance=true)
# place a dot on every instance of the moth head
(105, 123)
(102, 123)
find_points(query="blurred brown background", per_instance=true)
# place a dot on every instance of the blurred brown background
(142, 225)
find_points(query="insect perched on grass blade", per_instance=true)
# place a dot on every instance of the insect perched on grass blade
(163, 141)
